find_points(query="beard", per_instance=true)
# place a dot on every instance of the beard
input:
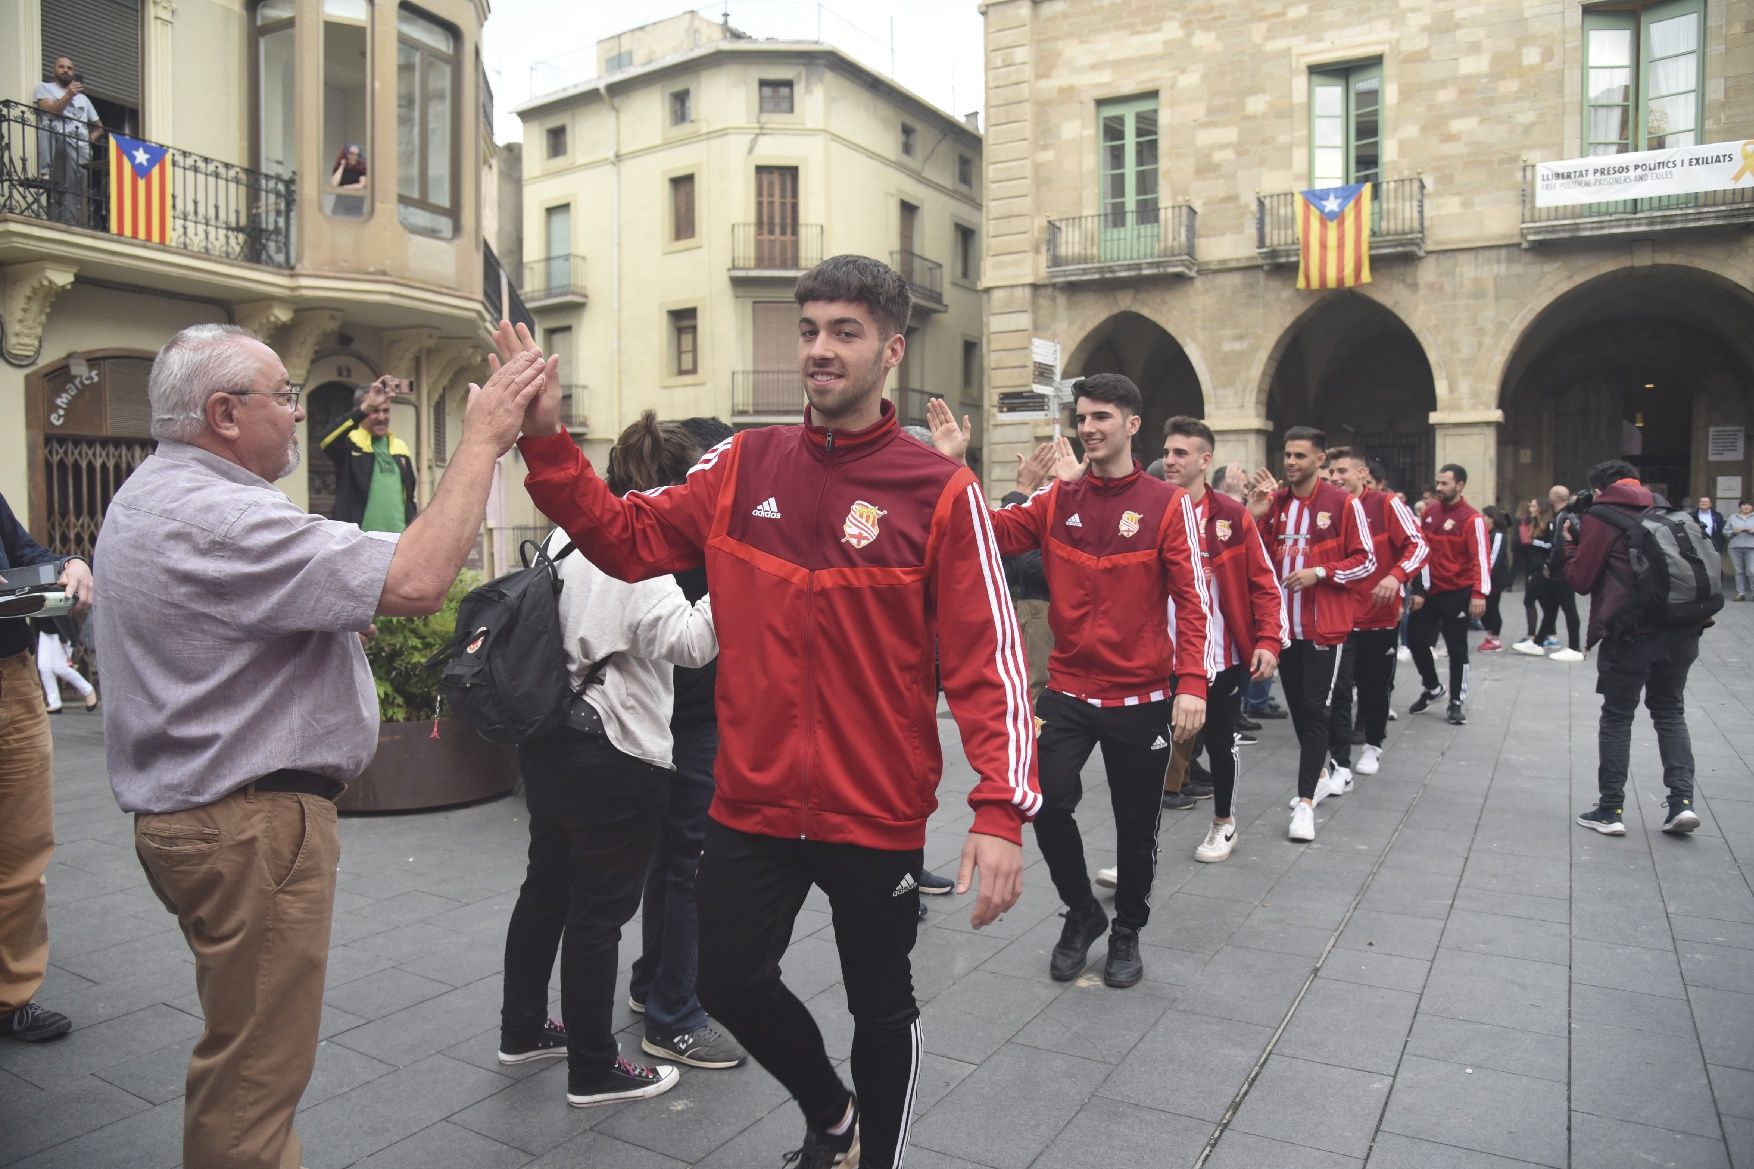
(859, 386)
(292, 456)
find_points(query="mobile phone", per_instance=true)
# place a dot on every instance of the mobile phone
(79, 77)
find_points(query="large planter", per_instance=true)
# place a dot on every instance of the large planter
(413, 771)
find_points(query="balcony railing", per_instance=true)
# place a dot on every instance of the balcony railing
(1123, 244)
(494, 278)
(554, 278)
(1397, 222)
(925, 278)
(572, 409)
(756, 249)
(1624, 216)
(217, 208)
(761, 392)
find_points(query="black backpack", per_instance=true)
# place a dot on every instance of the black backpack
(1677, 574)
(505, 670)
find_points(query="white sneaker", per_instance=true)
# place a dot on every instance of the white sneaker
(1565, 655)
(1340, 780)
(1393, 717)
(1525, 646)
(1108, 878)
(1220, 839)
(1368, 762)
(1302, 822)
(1322, 792)
(1403, 654)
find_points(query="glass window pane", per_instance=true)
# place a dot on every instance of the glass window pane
(438, 133)
(1114, 158)
(1678, 34)
(1114, 187)
(408, 120)
(269, 11)
(1145, 124)
(1610, 86)
(1330, 101)
(346, 71)
(355, 11)
(1114, 128)
(431, 35)
(1668, 116)
(1674, 75)
(1145, 184)
(1608, 124)
(1610, 46)
(1145, 155)
(1329, 132)
(278, 135)
(1330, 167)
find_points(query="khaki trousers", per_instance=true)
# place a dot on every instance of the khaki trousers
(1038, 644)
(27, 830)
(251, 878)
(1179, 760)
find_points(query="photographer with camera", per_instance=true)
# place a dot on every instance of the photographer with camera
(67, 131)
(374, 470)
(1647, 646)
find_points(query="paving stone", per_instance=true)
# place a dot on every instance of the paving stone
(1602, 1140)
(593, 1149)
(1726, 1026)
(980, 1119)
(1509, 937)
(1508, 992)
(974, 1018)
(396, 1105)
(1641, 1077)
(446, 1146)
(1200, 924)
(1643, 969)
(1282, 937)
(1158, 1072)
(1718, 967)
(1394, 1151)
(1739, 1136)
(1445, 1103)
(1514, 904)
(414, 1033)
(1400, 934)
(1631, 1010)
(338, 1070)
(1241, 1150)
(532, 1114)
(1372, 969)
(1096, 1021)
(1350, 1025)
(1734, 1089)
(78, 1107)
(1414, 893)
(1710, 929)
(384, 993)
(156, 1028)
(1106, 1133)
(152, 1139)
(1249, 986)
(1300, 1102)
(716, 1104)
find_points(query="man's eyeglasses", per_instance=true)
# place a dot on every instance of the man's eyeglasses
(288, 397)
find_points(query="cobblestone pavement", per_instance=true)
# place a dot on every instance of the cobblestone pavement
(1453, 975)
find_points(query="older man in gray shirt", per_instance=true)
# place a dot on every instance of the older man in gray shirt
(238, 701)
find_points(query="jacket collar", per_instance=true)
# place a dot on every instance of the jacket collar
(822, 439)
(393, 446)
(1118, 483)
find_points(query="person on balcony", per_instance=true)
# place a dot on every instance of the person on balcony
(65, 135)
(349, 171)
(374, 470)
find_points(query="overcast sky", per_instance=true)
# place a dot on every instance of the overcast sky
(535, 46)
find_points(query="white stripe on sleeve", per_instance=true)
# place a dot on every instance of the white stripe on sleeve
(1007, 658)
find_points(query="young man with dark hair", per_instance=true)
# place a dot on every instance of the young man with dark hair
(1118, 547)
(1320, 542)
(840, 555)
(1633, 657)
(1369, 656)
(1457, 581)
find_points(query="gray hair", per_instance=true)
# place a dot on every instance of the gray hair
(918, 433)
(193, 366)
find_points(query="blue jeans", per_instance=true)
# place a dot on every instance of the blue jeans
(1257, 695)
(664, 976)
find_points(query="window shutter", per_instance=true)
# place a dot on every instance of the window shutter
(103, 38)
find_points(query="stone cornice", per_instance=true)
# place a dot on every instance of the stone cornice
(29, 291)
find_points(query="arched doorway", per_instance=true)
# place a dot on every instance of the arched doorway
(88, 424)
(1134, 345)
(1647, 364)
(1353, 369)
(325, 407)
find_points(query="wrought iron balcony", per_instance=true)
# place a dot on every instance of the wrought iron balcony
(1397, 222)
(1122, 245)
(217, 208)
(555, 280)
(767, 393)
(500, 294)
(1624, 216)
(925, 279)
(572, 409)
(757, 249)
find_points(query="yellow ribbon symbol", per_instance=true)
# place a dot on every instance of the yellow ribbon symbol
(1747, 170)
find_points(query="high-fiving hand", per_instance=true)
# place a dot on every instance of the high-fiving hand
(542, 413)
(950, 438)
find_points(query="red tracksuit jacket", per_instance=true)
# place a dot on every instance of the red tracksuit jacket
(1248, 610)
(1400, 552)
(1461, 556)
(1327, 531)
(1117, 553)
(842, 565)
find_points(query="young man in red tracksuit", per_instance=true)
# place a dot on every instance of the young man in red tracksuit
(1248, 613)
(1368, 658)
(1129, 613)
(1458, 579)
(1321, 546)
(841, 557)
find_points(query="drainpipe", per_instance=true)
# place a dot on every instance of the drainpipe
(615, 245)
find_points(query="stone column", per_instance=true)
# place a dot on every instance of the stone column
(160, 69)
(1241, 439)
(1469, 438)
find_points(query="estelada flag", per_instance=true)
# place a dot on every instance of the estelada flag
(1333, 237)
(140, 189)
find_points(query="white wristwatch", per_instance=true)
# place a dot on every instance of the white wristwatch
(1321, 573)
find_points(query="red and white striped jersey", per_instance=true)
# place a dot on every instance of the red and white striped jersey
(1325, 530)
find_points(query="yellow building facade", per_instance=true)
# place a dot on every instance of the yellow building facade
(348, 276)
(1142, 159)
(671, 204)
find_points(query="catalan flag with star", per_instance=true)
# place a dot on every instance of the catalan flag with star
(140, 190)
(1333, 237)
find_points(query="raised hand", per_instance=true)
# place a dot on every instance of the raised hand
(1068, 468)
(948, 437)
(1035, 468)
(496, 411)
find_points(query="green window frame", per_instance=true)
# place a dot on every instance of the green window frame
(1643, 78)
(1127, 155)
(1345, 124)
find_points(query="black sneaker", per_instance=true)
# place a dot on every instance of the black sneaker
(1604, 820)
(924, 912)
(1245, 723)
(1177, 801)
(621, 1080)
(1456, 716)
(1271, 710)
(703, 1047)
(1082, 928)
(932, 885)
(1244, 739)
(1682, 818)
(1199, 789)
(34, 1023)
(1124, 967)
(1425, 699)
(550, 1044)
(824, 1150)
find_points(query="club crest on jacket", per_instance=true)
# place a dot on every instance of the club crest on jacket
(1222, 528)
(1130, 523)
(1324, 520)
(860, 527)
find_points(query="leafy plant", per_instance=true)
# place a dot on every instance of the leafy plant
(407, 690)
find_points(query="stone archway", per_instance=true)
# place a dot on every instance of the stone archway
(1352, 368)
(1132, 344)
(1642, 363)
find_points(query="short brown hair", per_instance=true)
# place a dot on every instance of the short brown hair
(861, 280)
(1346, 452)
(1189, 427)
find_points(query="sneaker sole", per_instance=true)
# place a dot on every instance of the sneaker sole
(937, 892)
(1122, 983)
(1102, 882)
(693, 1061)
(1213, 859)
(42, 1036)
(645, 1093)
(1604, 829)
(635, 1005)
(1682, 825)
(510, 1058)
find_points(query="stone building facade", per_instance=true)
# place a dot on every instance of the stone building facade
(1141, 161)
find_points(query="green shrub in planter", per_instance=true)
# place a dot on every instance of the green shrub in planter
(407, 690)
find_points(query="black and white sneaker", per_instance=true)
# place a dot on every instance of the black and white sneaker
(33, 1023)
(621, 1080)
(1245, 739)
(825, 1150)
(1682, 818)
(1457, 716)
(1607, 821)
(933, 885)
(703, 1047)
(1425, 699)
(550, 1044)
